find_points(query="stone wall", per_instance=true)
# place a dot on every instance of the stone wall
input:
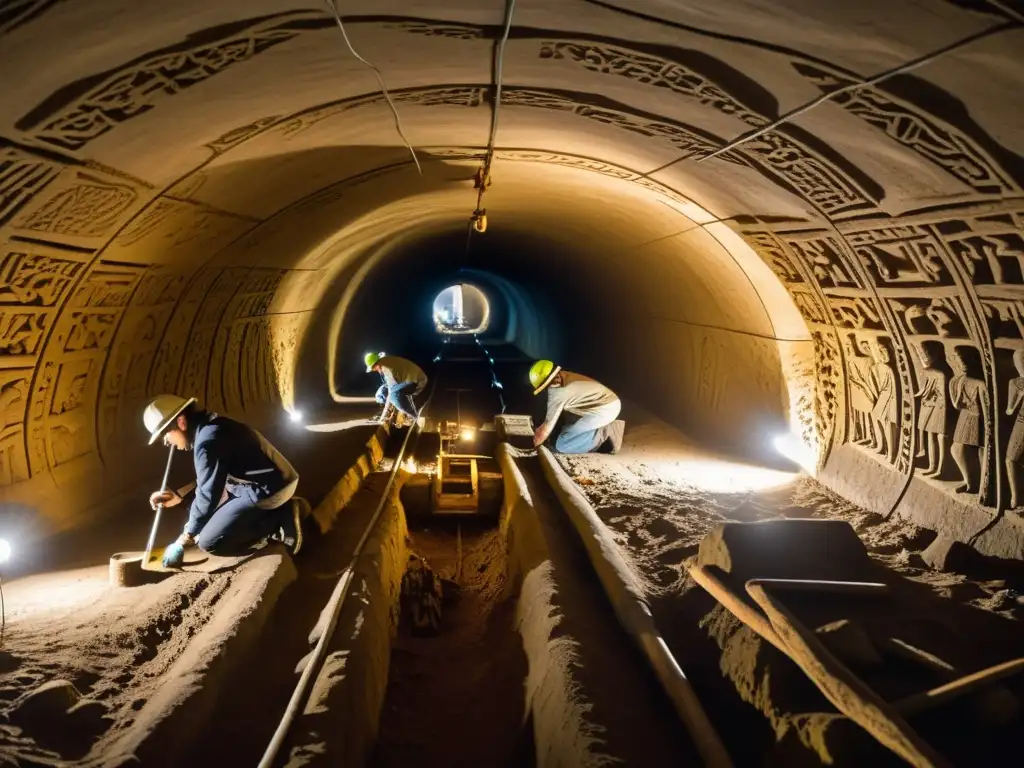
(154, 159)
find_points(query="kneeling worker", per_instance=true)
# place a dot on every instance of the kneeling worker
(597, 429)
(403, 380)
(243, 489)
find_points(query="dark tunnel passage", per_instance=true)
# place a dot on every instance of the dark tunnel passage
(392, 309)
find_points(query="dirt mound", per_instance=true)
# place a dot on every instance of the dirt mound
(82, 657)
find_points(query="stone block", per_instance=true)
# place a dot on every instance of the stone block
(515, 429)
(47, 704)
(946, 554)
(786, 549)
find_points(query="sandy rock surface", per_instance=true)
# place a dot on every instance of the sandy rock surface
(82, 658)
(660, 496)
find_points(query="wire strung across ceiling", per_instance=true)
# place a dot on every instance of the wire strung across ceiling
(380, 80)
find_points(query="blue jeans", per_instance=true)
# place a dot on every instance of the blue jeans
(399, 396)
(587, 433)
(238, 523)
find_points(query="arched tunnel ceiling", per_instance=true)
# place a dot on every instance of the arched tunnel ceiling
(181, 184)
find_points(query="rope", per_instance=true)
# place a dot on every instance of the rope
(380, 80)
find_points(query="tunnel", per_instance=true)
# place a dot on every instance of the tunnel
(792, 231)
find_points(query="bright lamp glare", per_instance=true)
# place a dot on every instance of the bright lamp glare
(295, 416)
(409, 465)
(5, 551)
(794, 449)
(725, 477)
(468, 434)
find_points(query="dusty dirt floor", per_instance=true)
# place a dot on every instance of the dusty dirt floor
(80, 659)
(660, 495)
(466, 682)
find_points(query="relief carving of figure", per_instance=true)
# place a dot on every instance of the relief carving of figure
(12, 403)
(862, 394)
(968, 395)
(885, 413)
(931, 418)
(1015, 448)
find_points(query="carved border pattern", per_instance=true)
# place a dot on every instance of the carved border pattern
(85, 110)
(921, 132)
(23, 174)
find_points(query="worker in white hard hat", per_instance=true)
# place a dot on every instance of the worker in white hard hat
(596, 429)
(403, 381)
(243, 490)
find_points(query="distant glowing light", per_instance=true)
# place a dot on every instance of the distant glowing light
(296, 416)
(437, 359)
(724, 476)
(5, 551)
(468, 434)
(794, 449)
(409, 465)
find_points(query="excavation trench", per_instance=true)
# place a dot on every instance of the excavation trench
(457, 663)
(466, 675)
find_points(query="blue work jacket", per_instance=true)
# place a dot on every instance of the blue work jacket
(231, 456)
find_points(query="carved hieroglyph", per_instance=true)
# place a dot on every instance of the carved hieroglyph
(87, 109)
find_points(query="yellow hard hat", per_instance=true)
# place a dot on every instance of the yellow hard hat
(542, 373)
(371, 358)
(161, 412)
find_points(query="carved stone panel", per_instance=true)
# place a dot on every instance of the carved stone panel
(921, 318)
(229, 366)
(34, 283)
(830, 396)
(856, 313)
(171, 231)
(61, 421)
(989, 246)
(81, 208)
(964, 151)
(259, 382)
(124, 392)
(901, 256)
(85, 110)
(197, 362)
(826, 261)
(776, 257)
(14, 388)
(170, 352)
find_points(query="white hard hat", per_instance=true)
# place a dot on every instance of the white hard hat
(161, 412)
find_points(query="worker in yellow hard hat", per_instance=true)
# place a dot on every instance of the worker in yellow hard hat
(596, 429)
(403, 380)
(244, 488)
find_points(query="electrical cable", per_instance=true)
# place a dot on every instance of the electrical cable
(380, 80)
(485, 171)
(828, 96)
(499, 65)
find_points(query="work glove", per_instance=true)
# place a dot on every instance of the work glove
(174, 555)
